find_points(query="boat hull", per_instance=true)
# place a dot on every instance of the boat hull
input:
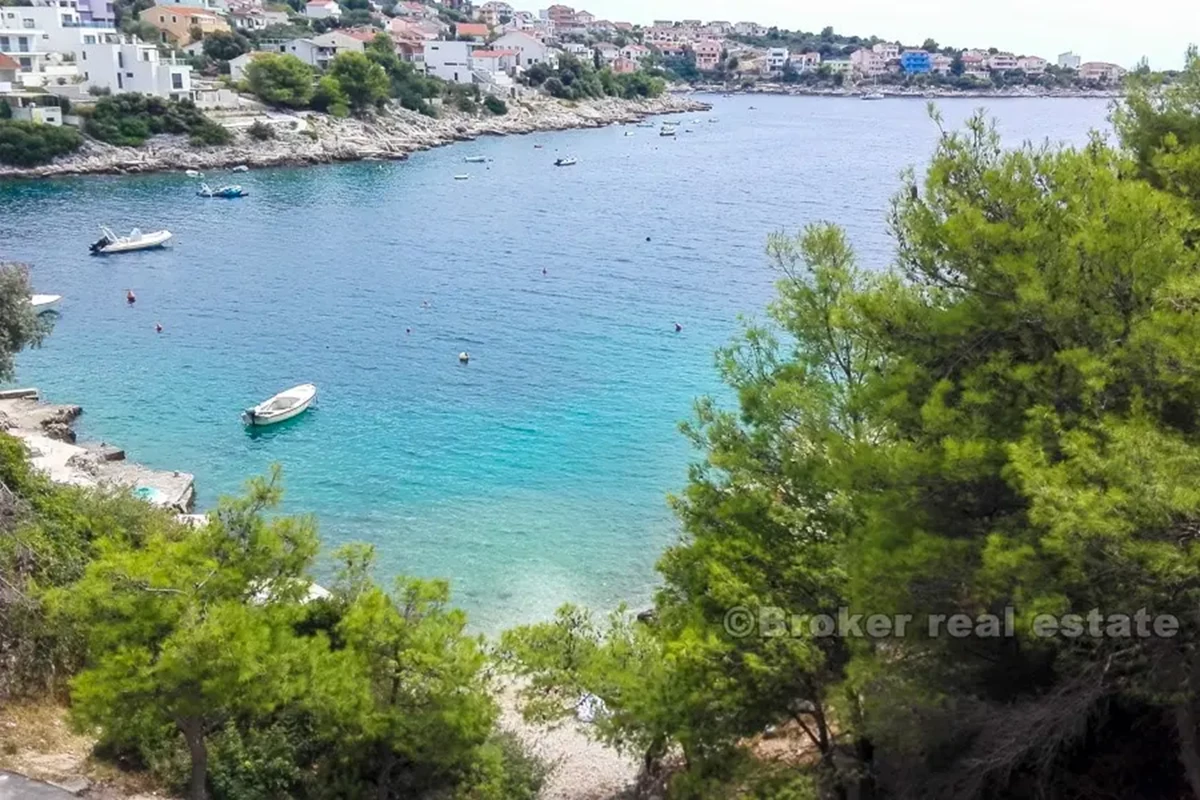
(261, 416)
(45, 302)
(150, 241)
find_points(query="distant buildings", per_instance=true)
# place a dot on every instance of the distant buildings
(1002, 62)
(1032, 65)
(322, 9)
(1068, 60)
(178, 24)
(777, 59)
(708, 54)
(916, 62)
(1100, 72)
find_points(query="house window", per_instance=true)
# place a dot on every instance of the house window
(83, 55)
(4, 43)
(120, 60)
(173, 18)
(26, 23)
(128, 74)
(176, 80)
(22, 44)
(26, 63)
(120, 85)
(89, 39)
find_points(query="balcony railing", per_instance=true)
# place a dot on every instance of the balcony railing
(85, 23)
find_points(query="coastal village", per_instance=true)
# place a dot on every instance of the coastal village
(58, 53)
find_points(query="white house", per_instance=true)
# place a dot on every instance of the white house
(777, 58)
(608, 52)
(450, 61)
(635, 52)
(496, 62)
(1002, 62)
(322, 9)
(530, 51)
(887, 50)
(129, 65)
(1068, 60)
(806, 62)
(1031, 65)
(317, 51)
(1101, 71)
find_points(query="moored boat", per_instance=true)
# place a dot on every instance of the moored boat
(45, 302)
(476, 159)
(283, 406)
(666, 130)
(461, 177)
(873, 96)
(645, 124)
(193, 173)
(240, 168)
(569, 161)
(110, 243)
(227, 192)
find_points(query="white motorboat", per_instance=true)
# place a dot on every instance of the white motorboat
(109, 242)
(476, 159)
(873, 96)
(666, 130)
(461, 177)
(645, 124)
(284, 405)
(569, 161)
(240, 168)
(192, 173)
(45, 302)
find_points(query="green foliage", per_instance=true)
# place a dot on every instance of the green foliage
(362, 81)
(29, 144)
(225, 46)
(280, 80)
(261, 131)
(1007, 419)
(330, 98)
(20, 327)
(5, 110)
(410, 87)
(495, 105)
(130, 119)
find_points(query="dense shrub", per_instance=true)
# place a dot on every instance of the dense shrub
(131, 119)
(27, 144)
(260, 131)
(495, 105)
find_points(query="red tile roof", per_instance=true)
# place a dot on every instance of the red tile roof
(8, 63)
(471, 29)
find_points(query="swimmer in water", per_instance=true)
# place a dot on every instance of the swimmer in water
(678, 327)
(544, 271)
(130, 297)
(158, 327)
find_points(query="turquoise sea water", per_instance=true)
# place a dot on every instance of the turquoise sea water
(537, 473)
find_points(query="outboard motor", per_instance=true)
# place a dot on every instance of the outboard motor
(103, 241)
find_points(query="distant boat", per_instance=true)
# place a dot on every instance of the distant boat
(241, 168)
(873, 96)
(191, 173)
(666, 130)
(284, 405)
(645, 124)
(753, 108)
(109, 242)
(629, 133)
(45, 302)
(227, 192)
(461, 177)
(569, 161)
(713, 119)
(476, 159)
(537, 147)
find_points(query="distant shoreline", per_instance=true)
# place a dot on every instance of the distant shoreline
(308, 138)
(898, 93)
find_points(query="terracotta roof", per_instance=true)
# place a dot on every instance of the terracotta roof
(8, 63)
(471, 29)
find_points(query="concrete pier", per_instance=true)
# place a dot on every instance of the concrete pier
(47, 431)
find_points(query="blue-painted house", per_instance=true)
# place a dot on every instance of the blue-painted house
(916, 62)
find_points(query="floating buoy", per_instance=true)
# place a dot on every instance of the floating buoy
(464, 357)
(408, 330)
(647, 238)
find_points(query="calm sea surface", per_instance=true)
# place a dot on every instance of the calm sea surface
(538, 473)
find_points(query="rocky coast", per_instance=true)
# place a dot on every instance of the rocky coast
(311, 138)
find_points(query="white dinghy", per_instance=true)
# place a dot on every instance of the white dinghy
(44, 302)
(284, 405)
(109, 242)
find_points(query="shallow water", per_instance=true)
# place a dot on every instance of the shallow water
(537, 473)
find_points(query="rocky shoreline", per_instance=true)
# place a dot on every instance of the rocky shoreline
(310, 138)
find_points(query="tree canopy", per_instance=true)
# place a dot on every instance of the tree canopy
(280, 79)
(947, 540)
